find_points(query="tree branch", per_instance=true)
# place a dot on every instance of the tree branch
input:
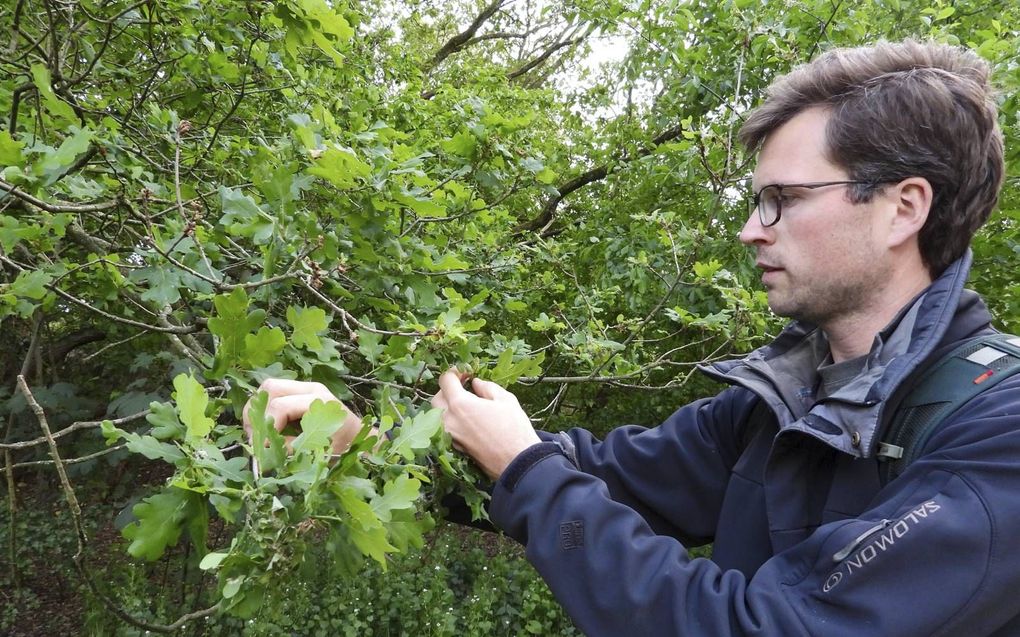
(495, 35)
(541, 59)
(82, 424)
(75, 508)
(460, 40)
(58, 207)
(171, 329)
(545, 217)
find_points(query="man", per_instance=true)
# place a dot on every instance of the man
(876, 166)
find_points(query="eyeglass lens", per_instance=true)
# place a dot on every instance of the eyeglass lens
(767, 203)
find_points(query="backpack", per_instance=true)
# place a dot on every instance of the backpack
(931, 396)
(974, 366)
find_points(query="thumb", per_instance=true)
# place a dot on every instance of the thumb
(487, 389)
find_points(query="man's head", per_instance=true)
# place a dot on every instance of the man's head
(901, 110)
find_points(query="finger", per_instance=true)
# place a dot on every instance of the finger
(488, 389)
(285, 409)
(245, 419)
(286, 387)
(450, 384)
(439, 401)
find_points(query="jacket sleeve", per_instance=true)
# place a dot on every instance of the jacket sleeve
(932, 556)
(694, 451)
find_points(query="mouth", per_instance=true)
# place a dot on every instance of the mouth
(768, 275)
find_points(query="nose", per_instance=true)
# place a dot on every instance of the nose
(753, 233)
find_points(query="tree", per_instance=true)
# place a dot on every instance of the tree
(196, 197)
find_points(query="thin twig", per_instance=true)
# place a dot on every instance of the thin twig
(75, 508)
(82, 424)
(111, 346)
(67, 461)
(350, 320)
(58, 207)
(72, 500)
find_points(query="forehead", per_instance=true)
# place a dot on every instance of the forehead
(796, 152)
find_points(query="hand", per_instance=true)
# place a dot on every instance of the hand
(489, 425)
(290, 399)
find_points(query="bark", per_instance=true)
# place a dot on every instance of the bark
(546, 216)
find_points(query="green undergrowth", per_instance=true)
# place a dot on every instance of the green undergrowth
(464, 582)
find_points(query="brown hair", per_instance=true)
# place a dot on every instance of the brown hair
(898, 110)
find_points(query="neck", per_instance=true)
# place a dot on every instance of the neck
(852, 335)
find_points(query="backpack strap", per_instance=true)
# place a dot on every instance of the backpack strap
(974, 366)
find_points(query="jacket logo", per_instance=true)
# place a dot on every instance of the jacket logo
(879, 544)
(572, 535)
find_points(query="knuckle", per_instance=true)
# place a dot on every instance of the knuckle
(268, 385)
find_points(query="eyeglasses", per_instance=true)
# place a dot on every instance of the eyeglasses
(768, 201)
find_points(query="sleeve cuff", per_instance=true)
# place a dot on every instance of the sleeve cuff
(524, 461)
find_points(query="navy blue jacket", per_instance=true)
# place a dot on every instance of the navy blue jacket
(806, 539)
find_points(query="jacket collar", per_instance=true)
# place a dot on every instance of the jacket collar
(783, 373)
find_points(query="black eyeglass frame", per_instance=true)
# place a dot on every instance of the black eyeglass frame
(755, 200)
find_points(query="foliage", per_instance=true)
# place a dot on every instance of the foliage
(365, 502)
(460, 583)
(365, 194)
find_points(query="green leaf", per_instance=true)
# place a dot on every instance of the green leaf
(545, 323)
(146, 445)
(410, 369)
(223, 469)
(13, 231)
(196, 521)
(10, 150)
(164, 421)
(54, 106)
(416, 435)
(191, 404)
(329, 19)
(406, 531)
(211, 561)
(226, 507)
(462, 144)
(232, 586)
(398, 494)
(705, 271)
(422, 206)
(945, 13)
(232, 324)
(448, 262)
(360, 511)
(370, 346)
(507, 371)
(371, 542)
(163, 284)
(267, 443)
(69, 151)
(153, 449)
(31, 284)
(245, 218)
(546, 176)
(159, 523)
(341, 167)
(321, 421)
(262, 348)
(308, 323)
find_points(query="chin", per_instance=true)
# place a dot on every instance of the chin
(787, 310)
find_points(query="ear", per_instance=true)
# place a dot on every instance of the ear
(911, 199)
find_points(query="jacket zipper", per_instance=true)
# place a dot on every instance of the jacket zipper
(845, 552)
